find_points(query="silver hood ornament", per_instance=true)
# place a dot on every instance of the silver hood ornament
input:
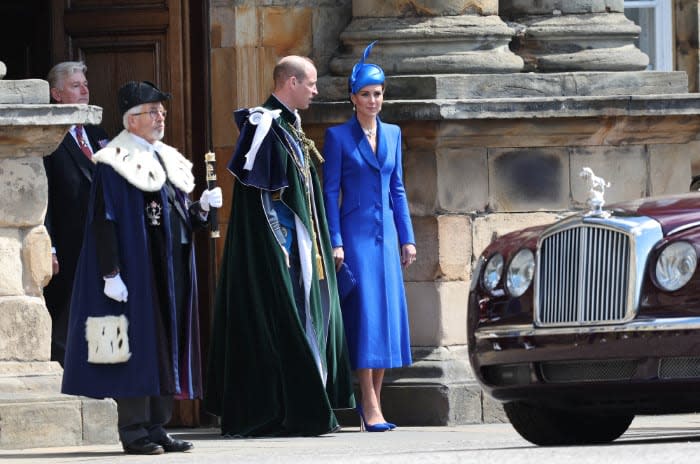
(596, 191)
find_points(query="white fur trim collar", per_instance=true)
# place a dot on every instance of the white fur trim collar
(141, 169)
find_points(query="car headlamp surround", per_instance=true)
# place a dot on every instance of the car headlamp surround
(520, 272)
(492, 272)
(675, 265)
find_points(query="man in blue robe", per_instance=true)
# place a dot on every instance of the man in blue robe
(133, 329)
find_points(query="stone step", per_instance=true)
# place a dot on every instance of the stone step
(515, 85)
(40, 419)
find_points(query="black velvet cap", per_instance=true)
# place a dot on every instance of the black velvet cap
(135, 93)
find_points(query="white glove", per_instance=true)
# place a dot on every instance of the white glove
(212, 198)
(115, 288)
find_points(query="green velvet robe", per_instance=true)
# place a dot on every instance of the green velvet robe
(263, 376)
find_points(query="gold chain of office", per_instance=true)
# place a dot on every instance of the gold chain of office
(308, 147)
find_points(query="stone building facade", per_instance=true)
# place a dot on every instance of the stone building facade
(501, 103)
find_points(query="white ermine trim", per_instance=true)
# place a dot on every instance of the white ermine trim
(108, 340)
(140, 167)
(178, 167)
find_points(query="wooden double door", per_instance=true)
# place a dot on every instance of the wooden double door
(162, 41)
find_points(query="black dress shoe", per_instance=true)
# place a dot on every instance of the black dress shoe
(143, 446)
(171, 444)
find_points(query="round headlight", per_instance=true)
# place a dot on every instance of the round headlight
(492, 272)
(676, 265)
(520, 272)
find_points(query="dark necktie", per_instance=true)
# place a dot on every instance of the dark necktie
(82, 142)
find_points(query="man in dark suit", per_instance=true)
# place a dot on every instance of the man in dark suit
(69, 170)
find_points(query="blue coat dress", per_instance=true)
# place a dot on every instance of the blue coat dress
(368, 216)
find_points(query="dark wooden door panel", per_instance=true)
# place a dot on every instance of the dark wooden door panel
(162, 41)
(111, 64)
(24, 46)
(123, 40)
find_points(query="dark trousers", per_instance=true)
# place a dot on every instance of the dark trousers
(143, 417)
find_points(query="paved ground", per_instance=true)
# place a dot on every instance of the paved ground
(657, 439)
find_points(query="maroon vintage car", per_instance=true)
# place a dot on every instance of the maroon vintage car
(580, 325)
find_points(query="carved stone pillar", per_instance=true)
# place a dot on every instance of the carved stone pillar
(429, 36)
(33, 412)
(581, 35)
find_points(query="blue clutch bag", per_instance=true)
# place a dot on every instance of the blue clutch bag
(346, 281)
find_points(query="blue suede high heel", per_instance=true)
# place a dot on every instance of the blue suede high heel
(364, 426)
(391, 426)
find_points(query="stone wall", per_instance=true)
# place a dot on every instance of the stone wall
(487, 148)
(247, 39)
(33, 412)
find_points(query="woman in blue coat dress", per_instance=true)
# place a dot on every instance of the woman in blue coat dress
(370, 228)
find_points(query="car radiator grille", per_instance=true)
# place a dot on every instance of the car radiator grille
(583, 276)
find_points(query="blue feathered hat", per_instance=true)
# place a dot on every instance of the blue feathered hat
(365, 73)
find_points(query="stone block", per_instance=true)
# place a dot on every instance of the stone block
(510, 8)
(512, 85)
(454, 246)
(328, 23)
(24, 92)
(10, 260)
(528, 179)
(438, 389)
(286, 30)
(625, 167)
(388, 8)
(444, 248)
(233, 26)
(437, 312)
(624, 83)
(420, 181)
(493, 410)
(489, 227)
(223, 65)
(25, 329)
(669, 167)
(432, 404)
(463, 181)
(36, 130)
(36, 256)
(99, 421)
(454, 313)
(427, 265)
(31, 376)
(24, 192)
(41, 421)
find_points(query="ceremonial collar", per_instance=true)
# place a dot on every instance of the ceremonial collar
(138, 165)
(275, 103)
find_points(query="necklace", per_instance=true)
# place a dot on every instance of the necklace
(370, 132)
